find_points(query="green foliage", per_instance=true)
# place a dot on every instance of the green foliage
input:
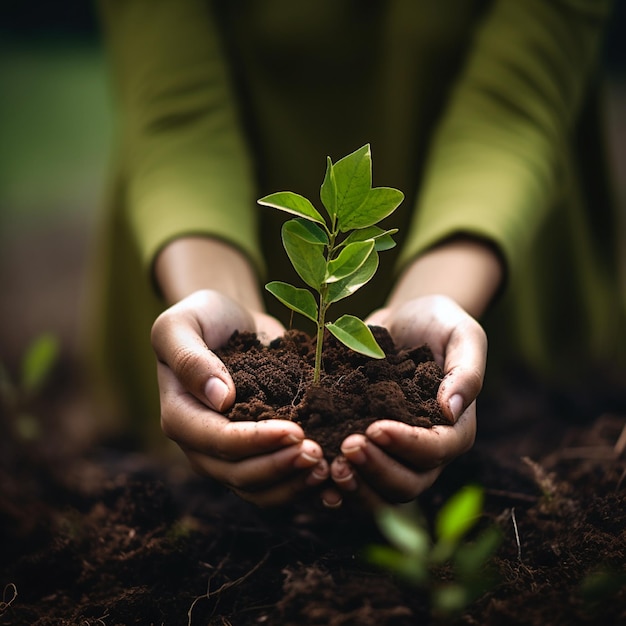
(336, 256)
(599, 586)
(38, 361)
(414, 555)
(16, 397)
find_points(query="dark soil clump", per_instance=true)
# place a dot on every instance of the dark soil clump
(275, 381)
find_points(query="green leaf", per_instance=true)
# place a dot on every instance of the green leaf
(310, 232)
(350, 259)
(328, 191)
(353, 181)
(38, 361)
(347, 286)
(600, 585)
(383, 239)
(355, 334)
(298, 300)
(410, 568)
(405, 529)
(450, 599)
(293, 203)
(471, 557)
(379, 203)
(306, 257)
(460, 512)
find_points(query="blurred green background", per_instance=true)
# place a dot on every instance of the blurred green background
(55, 134)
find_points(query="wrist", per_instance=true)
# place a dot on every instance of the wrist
(193, 263)
(468, 270)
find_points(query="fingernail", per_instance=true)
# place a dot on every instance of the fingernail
(309, 457)
(216, 391)
(379, 436)
(347, 483)
(290, 439)
(455, 405)
(344, 479)
(316, 477)
(355, 455)
(332, 504)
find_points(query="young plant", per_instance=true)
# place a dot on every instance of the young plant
(338, 255)
(415, 556)
(16, 397)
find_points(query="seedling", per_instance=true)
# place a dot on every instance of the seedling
(414, 555)
(336, 256)
(16, 396)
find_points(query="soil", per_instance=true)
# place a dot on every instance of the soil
(354, 390)
(111, 536)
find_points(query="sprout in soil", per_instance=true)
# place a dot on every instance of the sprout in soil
(338, 255)
(421, 559)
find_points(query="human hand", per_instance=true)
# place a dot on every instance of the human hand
(395, 462)
(267, 463)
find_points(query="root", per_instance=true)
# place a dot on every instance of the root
(543, 480)
(519, 545)
(228, 585)
(7, 601)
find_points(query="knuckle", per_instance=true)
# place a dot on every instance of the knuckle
(159, 328)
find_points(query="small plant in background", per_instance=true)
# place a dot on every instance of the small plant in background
(16, 397)
(601, 585)
(338, 255)
(416, 556)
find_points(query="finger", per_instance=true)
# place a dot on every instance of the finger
(190, 424)
(267, 327)
(289, 490)
(388, 478)
(418, 448)
(259, 472)
(363, 496)
(343, 474)
(181, 337)
(332, 498)
(464, 368)
(281, 494)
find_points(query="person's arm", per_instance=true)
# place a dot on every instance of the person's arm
(495, 160)
(189, 264)
(189, 187)
(467, 270)
(186, 164)
(490, 182)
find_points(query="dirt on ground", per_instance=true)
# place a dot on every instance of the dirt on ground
(111, 536)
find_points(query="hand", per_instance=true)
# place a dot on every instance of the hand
(394, 462)
(269, 462)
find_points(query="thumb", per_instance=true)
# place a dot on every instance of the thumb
(178, 339)
(464, 369)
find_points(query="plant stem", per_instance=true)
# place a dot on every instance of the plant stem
(320, 336)
(321, 312)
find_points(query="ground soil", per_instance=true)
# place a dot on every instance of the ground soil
(109, 536)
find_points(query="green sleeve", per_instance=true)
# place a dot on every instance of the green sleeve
(496, 156)
(185, 164)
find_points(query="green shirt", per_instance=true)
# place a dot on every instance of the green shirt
(485, 114)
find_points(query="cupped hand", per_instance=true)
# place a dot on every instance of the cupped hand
(394, 462)
(269, 462)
